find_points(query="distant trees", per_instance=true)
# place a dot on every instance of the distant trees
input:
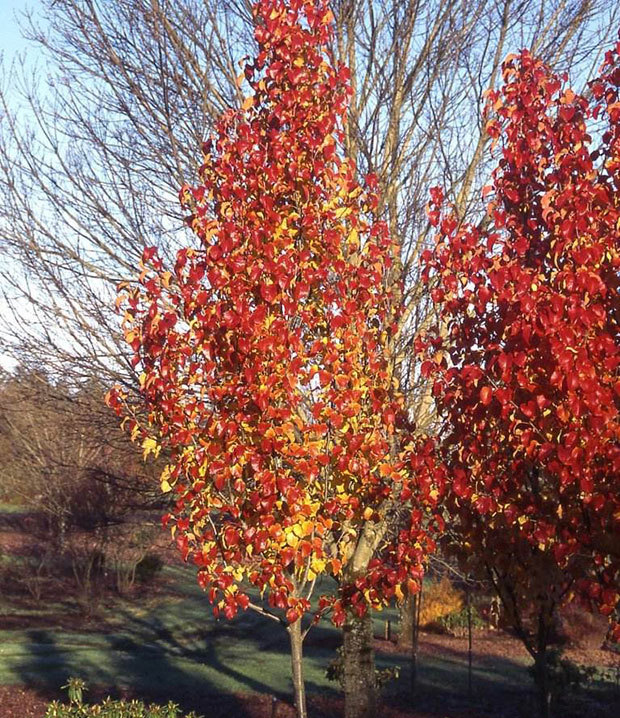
(526, 360)
(86, 495)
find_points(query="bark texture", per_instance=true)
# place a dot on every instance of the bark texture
(541, 679)
(299, 687)
(360, 691)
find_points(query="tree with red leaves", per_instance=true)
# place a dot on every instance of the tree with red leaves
(266, 365)
(526, 360)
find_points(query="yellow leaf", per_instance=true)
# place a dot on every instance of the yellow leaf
(318, 565)
(398, 592)
(354, 239)
(292, 538)
(247, 103)
(164, 480)
(150, 446)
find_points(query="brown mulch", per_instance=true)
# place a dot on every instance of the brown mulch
(20, 702)
(488, 646)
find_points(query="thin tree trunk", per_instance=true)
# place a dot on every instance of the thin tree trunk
(541, 679)
(469, 645)
(299, 687)
(410, 633)
(416, 606)
(360, 692)
(406, 619)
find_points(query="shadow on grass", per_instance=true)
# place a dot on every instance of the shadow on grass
(502, 688)
(175, 650)
(502, 691)
(150, 673)
(208, 671)
(249, 654)
(206, 668)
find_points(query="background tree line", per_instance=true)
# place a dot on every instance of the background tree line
(90, 513)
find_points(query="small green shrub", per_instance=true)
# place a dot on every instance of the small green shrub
(565, 676)
(456, 622)
(148, 568)
(108, 708)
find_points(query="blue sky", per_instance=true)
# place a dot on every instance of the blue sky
(11, 40)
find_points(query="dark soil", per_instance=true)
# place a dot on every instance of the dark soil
(19, 702)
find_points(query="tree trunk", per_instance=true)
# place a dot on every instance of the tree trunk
(299, 687)
(410, 633)
(469, 645)
(416, 601)
(541, 679)
(406, 618)
(360, 693)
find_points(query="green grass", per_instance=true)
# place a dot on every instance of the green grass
(171, 646)
(165, 649)
(7, 507)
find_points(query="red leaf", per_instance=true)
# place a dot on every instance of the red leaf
(269, 292)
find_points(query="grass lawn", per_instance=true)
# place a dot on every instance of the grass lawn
(170, 646)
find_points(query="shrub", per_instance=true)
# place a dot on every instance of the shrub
(148, 568)
(456, 622)
(108, 708)
(439, 599)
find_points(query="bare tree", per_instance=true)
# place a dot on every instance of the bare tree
(92, 160)
(94, 148)
(85, 490)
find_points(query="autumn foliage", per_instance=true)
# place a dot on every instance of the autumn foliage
(264, 350)
(525, 362)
